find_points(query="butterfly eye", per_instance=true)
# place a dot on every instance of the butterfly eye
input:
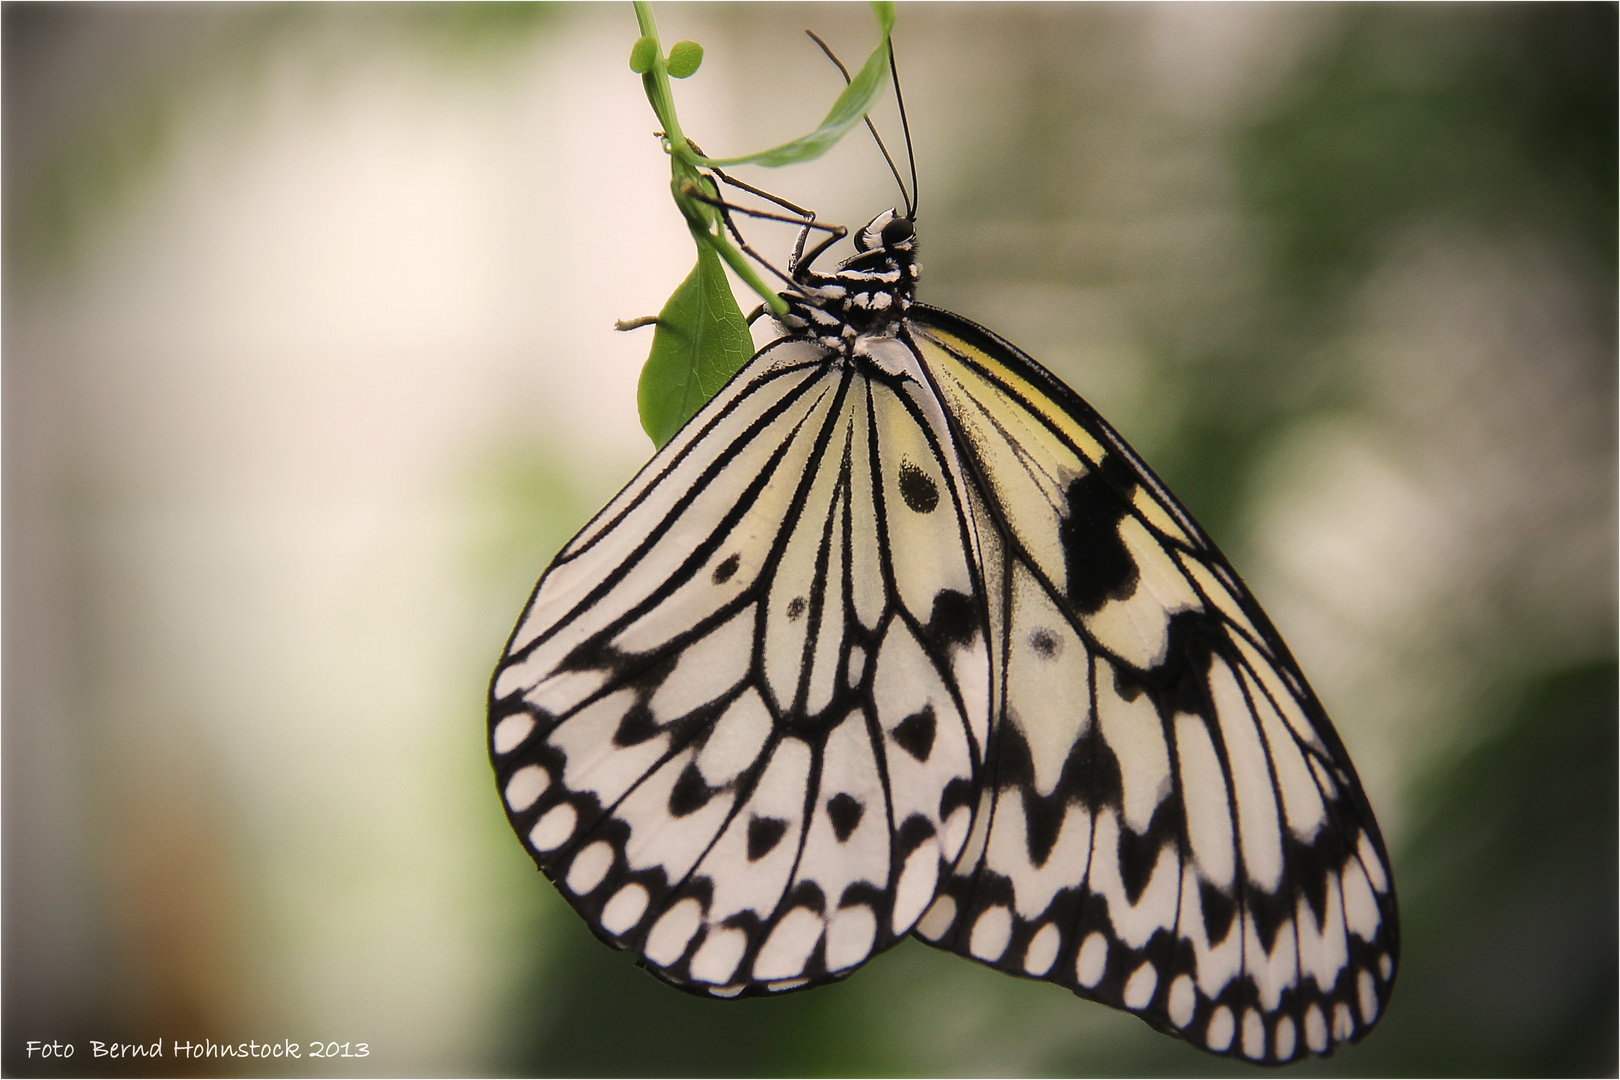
(896, 232)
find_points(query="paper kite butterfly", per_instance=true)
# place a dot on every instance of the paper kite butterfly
(898, 636)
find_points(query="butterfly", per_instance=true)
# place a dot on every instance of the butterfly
(897, 636)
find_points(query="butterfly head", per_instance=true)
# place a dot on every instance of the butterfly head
(889, 232)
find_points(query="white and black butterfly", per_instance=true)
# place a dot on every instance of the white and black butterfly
(898, 636)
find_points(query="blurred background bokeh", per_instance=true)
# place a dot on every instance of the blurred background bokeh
(309, 369)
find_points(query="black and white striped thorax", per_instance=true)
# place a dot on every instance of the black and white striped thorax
(867, 296)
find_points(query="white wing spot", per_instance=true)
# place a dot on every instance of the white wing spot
(735, 740)
(673, 932)
(783, 985)
(1139, 988)
(850, 934)
(726, 991)
(1386, 966)
(1042, 951)
(554, 827)
(978, 840)
(1254, 1035)
(991, 933)
(510, 733)
(515, 677)
(717, 958)
(1285, 1038)
(1092, 961)
(857, 666)
(526, 785)
(955, 832)
(1367, 992)
(1218, 1035)
(938, 919)
(1344, 1025)
(625, 909)
(788, 949)
(590, 867)
(1369, 859)
(916, 888)
(1360, 909)
(1316, 1035)
(1183, 1001)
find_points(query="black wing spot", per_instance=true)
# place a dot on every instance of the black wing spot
(1098, 564)
(723, 573)
(689, 794)
(918, 488)
(1218, 910)
(806, 894)
(795, 607)
(764, 833)
(1270, 914)
(954, 620)
(635, 727)
(844, 811)
(1046, 644)
(915, 733)
(911, 834)
(1138, 858)
(1043, 820)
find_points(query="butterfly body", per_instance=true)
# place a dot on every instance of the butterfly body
(898, 636)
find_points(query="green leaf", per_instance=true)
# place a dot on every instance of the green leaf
(684, 58)
(642, 55)
(850, 108)
(701, 341)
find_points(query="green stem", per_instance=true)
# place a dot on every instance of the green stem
(686, 171)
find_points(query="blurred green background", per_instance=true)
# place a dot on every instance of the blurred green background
(309, 369)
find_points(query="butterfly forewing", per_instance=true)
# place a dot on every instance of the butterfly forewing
(1168, 823)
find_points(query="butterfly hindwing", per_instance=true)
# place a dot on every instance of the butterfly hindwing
(1166, 821)
(731, 725)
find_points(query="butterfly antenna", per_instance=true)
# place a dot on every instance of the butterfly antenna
(911, 155)
(910, 205)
